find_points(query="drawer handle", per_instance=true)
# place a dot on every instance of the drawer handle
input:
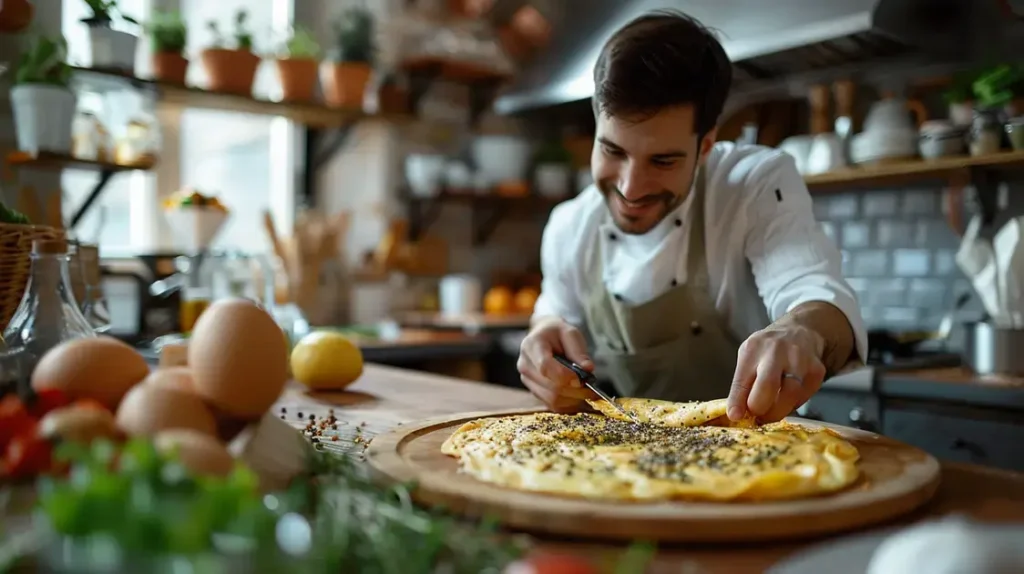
(973, 448)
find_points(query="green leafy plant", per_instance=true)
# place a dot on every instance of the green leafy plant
(241, 34)
(961, 90)
(103, 12)
(354, 36)
(301, 44)
(167, 32)
(8, 215)
(553, 152)
(44, 62)
(999, 86)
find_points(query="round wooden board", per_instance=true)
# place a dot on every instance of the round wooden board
(895, 479)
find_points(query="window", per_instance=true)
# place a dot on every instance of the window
(108, 221)
(244, 160)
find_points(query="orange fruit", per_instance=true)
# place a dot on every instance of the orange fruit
(498, 301)
(526, 298)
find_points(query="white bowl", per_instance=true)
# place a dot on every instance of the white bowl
(881, 144)
(194, 227)
(500, 159)
(425, 173)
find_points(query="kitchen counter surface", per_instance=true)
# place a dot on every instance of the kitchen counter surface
(955, 384)
(424, 344)
(385, 397)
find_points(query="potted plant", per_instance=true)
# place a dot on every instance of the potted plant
(231, 70)
(347, 74)
(297, 66)
(111, 49)
(42, 102)
(960, 99)
(553, 171)
(168, 34)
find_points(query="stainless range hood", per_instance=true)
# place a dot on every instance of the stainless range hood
(771, 41)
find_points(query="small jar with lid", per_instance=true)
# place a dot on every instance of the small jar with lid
(48, 314)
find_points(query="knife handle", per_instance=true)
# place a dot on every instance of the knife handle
(583, 375)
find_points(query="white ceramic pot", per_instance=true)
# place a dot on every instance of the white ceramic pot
(459, 295)
(425, 174)
(501, 159)
(961, 113)
(112, 49)
(553, 180)
(43, 117)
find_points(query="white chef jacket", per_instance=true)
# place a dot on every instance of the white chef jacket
(758, 216)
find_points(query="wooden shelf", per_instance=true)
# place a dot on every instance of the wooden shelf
(911, 170)
(57, 162)
(311, 115)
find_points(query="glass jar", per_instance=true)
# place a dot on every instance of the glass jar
(94, 303)
(48, 314)
(986, 133)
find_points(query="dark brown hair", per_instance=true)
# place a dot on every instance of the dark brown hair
(661, 59)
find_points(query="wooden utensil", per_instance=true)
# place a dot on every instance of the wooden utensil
(820, 116)
(275, 241)
(896, 479)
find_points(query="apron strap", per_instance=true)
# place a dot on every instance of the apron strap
(696, 254)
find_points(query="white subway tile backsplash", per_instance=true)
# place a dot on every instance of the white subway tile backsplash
(945, 262)
(881, 204)
(841, 206)
(901, 317)
(934, 233)
(911, 262)
(868, 263)
(932, 294)
(856, 234)
(887, 292)
(921, 202)
(892, 234)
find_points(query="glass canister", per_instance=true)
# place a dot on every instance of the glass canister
(48, 313)
(986, 133)
(196, 289)
(94, 302)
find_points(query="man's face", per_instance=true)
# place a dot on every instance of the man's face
(645, 168)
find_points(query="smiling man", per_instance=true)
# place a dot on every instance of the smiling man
(691, 269)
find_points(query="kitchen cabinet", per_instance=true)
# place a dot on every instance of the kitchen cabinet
(958, 433)
(848, 408)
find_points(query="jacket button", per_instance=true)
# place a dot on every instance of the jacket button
(612, 236)
(617, 297)
(674, 283)
(695, 328)
(679, 222)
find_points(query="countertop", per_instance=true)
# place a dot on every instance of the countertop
(948, 384)
(424, 344)
(385, 397)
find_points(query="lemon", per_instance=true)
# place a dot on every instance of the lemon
(326, 361)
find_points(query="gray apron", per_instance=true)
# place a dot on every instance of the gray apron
(675, 347)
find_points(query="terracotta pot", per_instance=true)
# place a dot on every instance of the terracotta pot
(15, 15)
(170, 67)
(345, 83)
(230, 71)
(298, 79)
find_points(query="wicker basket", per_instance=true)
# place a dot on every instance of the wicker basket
(16, 263)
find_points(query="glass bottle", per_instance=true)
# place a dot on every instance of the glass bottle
(94, 303)
(48, 313)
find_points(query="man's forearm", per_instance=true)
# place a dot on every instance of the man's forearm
(836, 338)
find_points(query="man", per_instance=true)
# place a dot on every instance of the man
(684, 248)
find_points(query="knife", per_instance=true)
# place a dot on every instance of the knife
(588, 379)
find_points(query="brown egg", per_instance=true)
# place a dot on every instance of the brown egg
(100, 368)
(239, 358)
(200, 453)
(78, 424)
(176, 378)
(149, 409)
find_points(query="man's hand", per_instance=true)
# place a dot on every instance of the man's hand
(551, 382)
(760, 385)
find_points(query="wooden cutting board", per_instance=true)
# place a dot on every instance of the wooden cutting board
(896, 478)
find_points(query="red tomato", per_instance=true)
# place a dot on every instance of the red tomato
(14, 420)
(27, 455)
(550, 563)
(47, 400)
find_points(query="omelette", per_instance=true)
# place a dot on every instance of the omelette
(677, 451)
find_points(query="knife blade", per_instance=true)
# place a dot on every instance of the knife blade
(588, 379)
